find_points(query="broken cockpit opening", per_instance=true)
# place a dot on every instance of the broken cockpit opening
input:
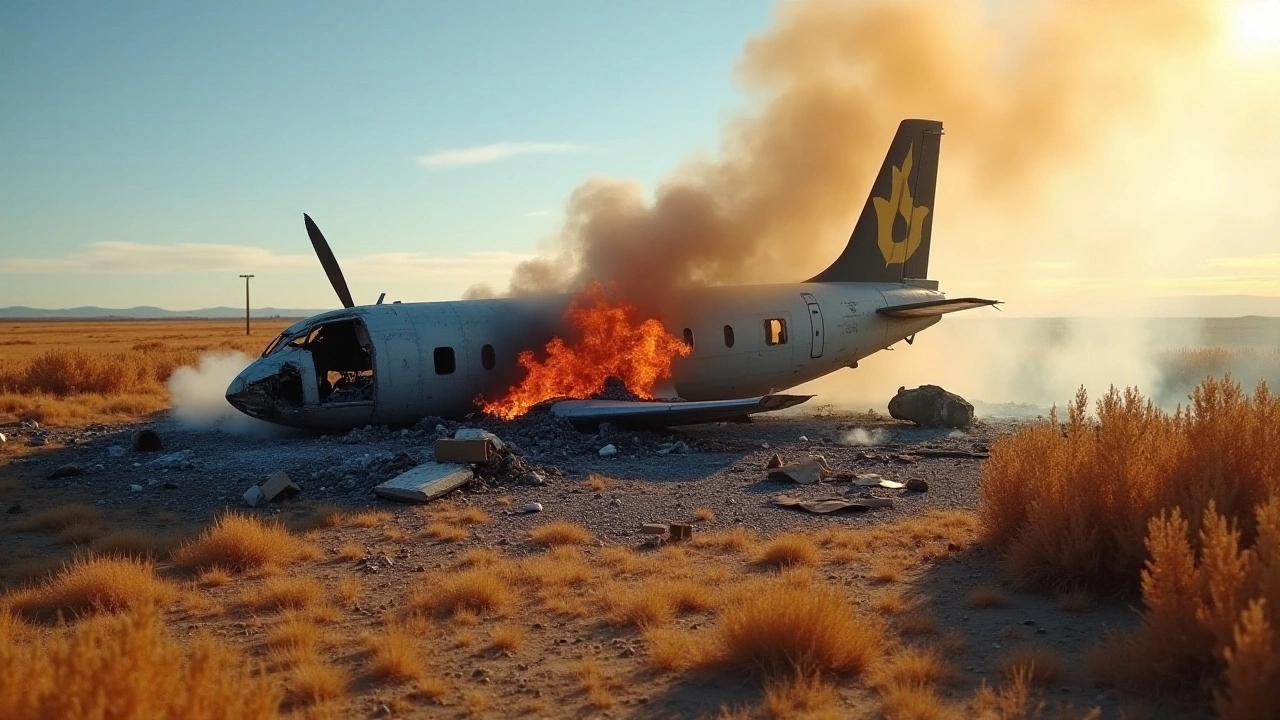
(341, 356)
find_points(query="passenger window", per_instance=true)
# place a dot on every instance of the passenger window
(775, 331)
(688, 338)
(728, 336)
(487, 358)
(443, 357)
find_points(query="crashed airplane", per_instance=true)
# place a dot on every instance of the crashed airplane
(392, 364)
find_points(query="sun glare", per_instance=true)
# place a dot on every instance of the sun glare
(1255, 27)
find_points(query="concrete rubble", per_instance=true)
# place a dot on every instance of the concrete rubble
(425, 482)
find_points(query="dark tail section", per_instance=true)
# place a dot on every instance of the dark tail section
(890, 243)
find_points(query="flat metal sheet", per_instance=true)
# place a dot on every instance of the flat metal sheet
(664, 414)
(931, 308)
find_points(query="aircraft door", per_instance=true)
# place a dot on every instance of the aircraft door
(815, 325)
(400, 388)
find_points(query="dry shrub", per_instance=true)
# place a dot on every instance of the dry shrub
(351, 551)
(677, 649)
(559, 533)
(1210, 617)
(446, 533)
(915, 702)
(314, 682)
(987, 596)
(349, 588)
(918, 621)
(128, 666)
(809, 696)
(366, 519)
(294, 638)
(786, 627)
(596, 483)
(393, 653)
(561, 567)
(479, 590)
(912, 667)
(1068, 502)
(1011, 702)
(704, 514)
(1077, 600)
(94, 584)
(79, 534)
(655, 602)
(596, 684)
(68, 371)
(240, 542)
(788, 549)
(735, 540)
(278, 593)
(1036, 665)
(60, 518)
(508, 638)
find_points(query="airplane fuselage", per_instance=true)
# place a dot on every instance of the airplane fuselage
(394, 364)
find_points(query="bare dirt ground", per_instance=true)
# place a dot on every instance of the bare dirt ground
(713, 472)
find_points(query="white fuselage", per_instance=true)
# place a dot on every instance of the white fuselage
(394, 364)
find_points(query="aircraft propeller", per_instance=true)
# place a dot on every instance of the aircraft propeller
(328, 262)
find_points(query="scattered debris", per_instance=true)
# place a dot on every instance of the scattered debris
(425, 482)
(680, 531)
(608, 450)
(137, 488)
(775, 461)
(931, 406)
(655, 529)
(68, 470)
(146, 440)
(3, 439)
(874, 480)
(36, 441)
(917, 485)
(253, 496)
(180, 460)
(469, 445)
(830, 504)
(532, 507)
(962, 454)
(807, 472)
(278, 486)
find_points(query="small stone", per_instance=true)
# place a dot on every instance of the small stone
(253, 496)
(681, 448)
(775, 461)
(917, 485)
(1029, 623)
(608, 450)
(616, 502)
(533, 507)
(804, 438)
(68, 470)
(116, 451)
(135, 487)
(3, 439)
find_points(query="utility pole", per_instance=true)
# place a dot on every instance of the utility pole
(246, 303)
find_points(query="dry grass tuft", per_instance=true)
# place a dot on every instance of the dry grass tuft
(60, 518)
(1078, 600)
(596, 684)
(295, 592)
(366, 519)
(596, 483)
(786, 628)
(678, 649)
(559, 533)
(704, 514)
(987, 596)
(787, 550)
(479, 590)
(735, 540)
(809, 696)
(94, 584)
(1137, 462)
(394, 654)
(921, 702)
(79, 534)
(508, 638)
(126, 666)
(294, 639)
(1037, 665)
(480, 557)
(348, 588)
(446, 533)
(912, 667)
(214, 577)
(352, 551)
(241, 542)
(315, 682)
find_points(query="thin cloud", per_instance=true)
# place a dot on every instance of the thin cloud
(142, 259)
(494, 152)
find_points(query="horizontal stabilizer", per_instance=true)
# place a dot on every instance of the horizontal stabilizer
(664, 414)
(933, 308)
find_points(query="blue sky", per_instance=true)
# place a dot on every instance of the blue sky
(150, 147)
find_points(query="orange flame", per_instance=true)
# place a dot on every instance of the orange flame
(612, 345)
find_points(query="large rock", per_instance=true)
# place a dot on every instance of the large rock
(931, 406)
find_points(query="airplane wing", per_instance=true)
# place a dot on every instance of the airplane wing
(664, 414)
(930, 308)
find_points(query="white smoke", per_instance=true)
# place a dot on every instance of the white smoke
(864, 438)
(198, 396)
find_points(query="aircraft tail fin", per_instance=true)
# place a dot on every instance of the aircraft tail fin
(890, 243)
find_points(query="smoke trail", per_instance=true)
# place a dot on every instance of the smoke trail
(198, 396)
(1025, 94)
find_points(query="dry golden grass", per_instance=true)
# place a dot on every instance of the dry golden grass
(94, 584)
(1135, 461)
(1011, 702)
(60, 518)
(70, 373)
(559, 533)
(1210, 618)
(918, 621)
(79, 534)
(214, 577)
(919, 702)
(394, 653)
(366, 519)
(1038, 665)
(395, 535)
(479, 590)
(349, 588)
(596, 684)
(912, 667)
(809, 696)
(128, 666)
(351, 551)
(507, 638)
(315, 682)
(787, 550)
(886, 570)
(735, 540)
(1078, 600)
(704, 514)
(295, 592)
(987, 596)
(294, 638)
(241, 542)
(784, 628)
(446, 533)
(596, 483)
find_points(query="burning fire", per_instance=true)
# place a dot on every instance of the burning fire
(612, 345)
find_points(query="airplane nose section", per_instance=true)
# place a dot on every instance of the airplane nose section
(237, 387)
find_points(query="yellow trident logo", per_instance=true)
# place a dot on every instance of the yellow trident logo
(900, 203)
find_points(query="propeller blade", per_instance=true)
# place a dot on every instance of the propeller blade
(328, 262)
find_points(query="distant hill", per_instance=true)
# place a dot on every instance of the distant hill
(146, 313)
